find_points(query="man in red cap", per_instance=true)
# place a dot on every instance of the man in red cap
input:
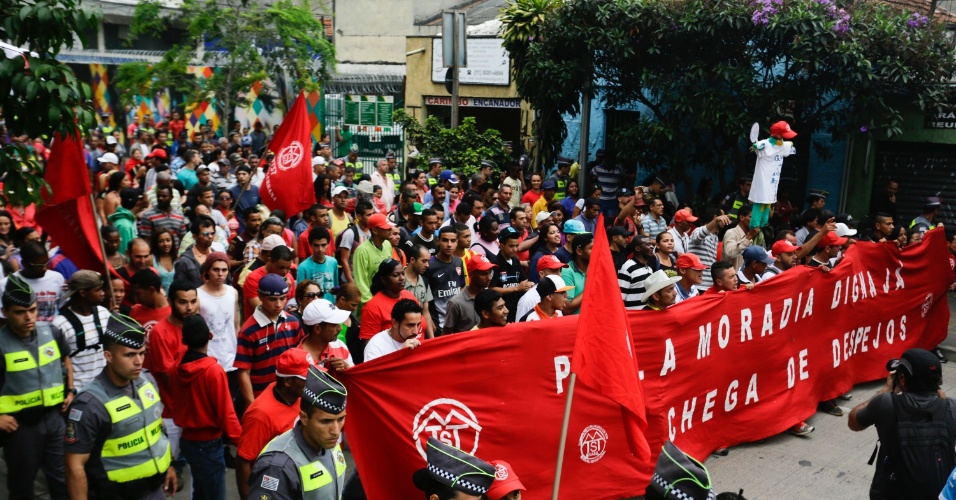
(784, 258)
(548, 265)
(371, 253)
(828, 248)
(272, 413)
(460, 315)
(766, 179)
(683, 222)
(506, 486)
(691, 272)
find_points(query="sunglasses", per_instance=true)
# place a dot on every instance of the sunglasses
(313, 295)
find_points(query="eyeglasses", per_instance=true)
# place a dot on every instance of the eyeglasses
(313, 295)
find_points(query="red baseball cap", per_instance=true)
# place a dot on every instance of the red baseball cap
(782, 129)
(379, 221)
(479, 263)
(690, 261)
(550, 262)
(505, 482)
(157, 153)
(831, 239)
(783, 246)
(684, 215)
(293, 362)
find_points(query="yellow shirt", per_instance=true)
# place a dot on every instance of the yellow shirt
(339, 225)
(539, 206)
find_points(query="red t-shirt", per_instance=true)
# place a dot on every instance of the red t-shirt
(531, 197)
(250, 289)
(148, 317)
(164, 350)
(266, 418)
(305, 248)
(377, 314)
(175, 127)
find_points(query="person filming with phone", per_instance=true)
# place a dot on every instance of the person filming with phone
(916, 425)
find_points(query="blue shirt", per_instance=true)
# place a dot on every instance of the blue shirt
(188, 177)
(589, 224)
(325, 274)
(249, 198)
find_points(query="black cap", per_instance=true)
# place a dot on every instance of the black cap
(507, 234)
(124, 331)
(565, 162)
(488, 163)
(680, 477)
(324, 392)
(454, 468)
(619, 231)
(581, 241)
(18, 292)
(923, 366)
(243, 168)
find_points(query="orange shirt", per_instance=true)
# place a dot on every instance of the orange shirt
(266, 418)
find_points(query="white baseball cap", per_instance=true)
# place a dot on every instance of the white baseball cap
(541, 216)
(272, 241)
(323, 311)
(110, 139)
(318, 160)
(842, 230)
(339, 189)
(108, 158)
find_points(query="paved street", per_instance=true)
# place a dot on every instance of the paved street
(831, 463)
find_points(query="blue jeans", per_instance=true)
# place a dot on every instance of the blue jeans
(208, 468)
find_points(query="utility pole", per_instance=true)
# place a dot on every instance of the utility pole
(454, 54)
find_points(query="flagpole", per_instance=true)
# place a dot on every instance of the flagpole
(564, 436)
(108, 277)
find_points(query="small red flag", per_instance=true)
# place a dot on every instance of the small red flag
(67, 212)
(288, 182)
(603, 348)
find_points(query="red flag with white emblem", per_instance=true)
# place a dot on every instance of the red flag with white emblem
(288, 182)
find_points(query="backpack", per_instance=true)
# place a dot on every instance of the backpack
(922, 456)
(80, 332)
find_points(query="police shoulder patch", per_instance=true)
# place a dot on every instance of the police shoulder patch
(75, 414)
(269, 483)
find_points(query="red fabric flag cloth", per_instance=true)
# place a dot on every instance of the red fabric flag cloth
(603, 348)
(67, 211)
(288, 182)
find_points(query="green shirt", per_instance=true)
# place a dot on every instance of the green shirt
(365, 262)
(573, 277)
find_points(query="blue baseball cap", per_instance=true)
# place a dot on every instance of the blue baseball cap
(549, 184)
(574, 227)
(448, 175)
(755, 253)
(273, 285)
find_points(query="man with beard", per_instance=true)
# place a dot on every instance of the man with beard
(783, 253)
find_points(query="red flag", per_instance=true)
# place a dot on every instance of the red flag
(67, 212)
(604, 349)
(288, 182)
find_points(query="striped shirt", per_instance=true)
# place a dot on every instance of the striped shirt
(261, 342)
(155, 219)
(653, 226)
(335, 349)
(88, 363)
(609, 178)
(703, 244)
(631, 280)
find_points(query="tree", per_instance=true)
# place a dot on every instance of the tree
(39, 95)
(244, 41)
(701, 71)
(462, 148)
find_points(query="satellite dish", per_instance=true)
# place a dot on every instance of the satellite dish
(754, 132)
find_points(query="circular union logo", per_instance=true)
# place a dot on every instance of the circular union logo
(289, 156)
(927, 304)
(449, 421)
(592, 443)
(501, 473)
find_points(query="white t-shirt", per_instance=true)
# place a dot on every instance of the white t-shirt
(49, 292)
(380, 345)
(763, 189)
(220, 315)
(88, 363)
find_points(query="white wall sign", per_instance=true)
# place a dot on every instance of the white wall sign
(488, 63)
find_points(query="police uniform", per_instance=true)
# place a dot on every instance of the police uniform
(562, 180)
(395, 176)
(451, 467)
(289, 468)
(428, 177)
(32, 391)
(121, 428)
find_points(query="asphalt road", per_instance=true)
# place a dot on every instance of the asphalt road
(829, 463)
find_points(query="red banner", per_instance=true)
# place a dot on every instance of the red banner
(717, 371)
(67, 211)
(288, 182)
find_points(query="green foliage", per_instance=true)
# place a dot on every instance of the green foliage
(46, 97)
(251, 42)
(463, 148)
(701, 71)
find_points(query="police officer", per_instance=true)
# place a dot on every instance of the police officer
(452, 473)
(116, 446)
(561, 178)
(33, 393)
(307, 461)
(433, 176)
(732, 203)
(352, 160)
(393, 172)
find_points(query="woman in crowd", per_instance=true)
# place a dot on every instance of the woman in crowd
(323, 191)
(21, 236)
(571, 198)
(7, 228)
(421, 185)
(454, 198)
(388, 287)
(305, 293)
(164, 255)
(545, 246)
(535, 192)
(135, 167)
(664, 251)
(106, 204)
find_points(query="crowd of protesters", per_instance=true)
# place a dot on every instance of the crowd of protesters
(239, 310)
